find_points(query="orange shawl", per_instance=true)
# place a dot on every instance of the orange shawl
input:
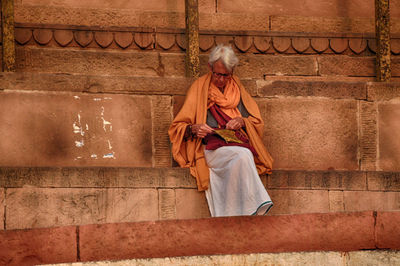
(190, 153)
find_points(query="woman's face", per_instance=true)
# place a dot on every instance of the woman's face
(220, 75)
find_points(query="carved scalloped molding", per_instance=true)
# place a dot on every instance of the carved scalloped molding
(174, 40)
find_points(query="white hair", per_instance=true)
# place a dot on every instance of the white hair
(225, 54)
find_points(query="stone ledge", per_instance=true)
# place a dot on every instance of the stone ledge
(316, 258)
(175, 177)
(225, 235)
(141, 85)
(38, 246)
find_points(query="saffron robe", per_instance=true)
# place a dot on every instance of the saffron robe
(190, 153)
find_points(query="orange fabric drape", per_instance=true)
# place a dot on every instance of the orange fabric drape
(190, 153)
(227, 101)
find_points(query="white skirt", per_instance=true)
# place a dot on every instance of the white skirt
(235, 187)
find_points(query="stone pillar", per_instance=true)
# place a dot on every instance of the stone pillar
(7, 26)
(192, 61)
(382, 28)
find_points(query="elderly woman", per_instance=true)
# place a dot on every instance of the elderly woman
(218, 135)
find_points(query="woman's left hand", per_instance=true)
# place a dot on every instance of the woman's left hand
(235, 123)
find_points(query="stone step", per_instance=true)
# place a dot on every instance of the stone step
(316, 258)
(269, 15)
(32, 197)
(343, 232)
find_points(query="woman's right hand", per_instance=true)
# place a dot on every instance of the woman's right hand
(201, 130)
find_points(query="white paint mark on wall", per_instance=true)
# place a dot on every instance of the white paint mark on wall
(109, 145)
(109, 156)
(107, 98)
(97, 99)
(79, 144)
(87, 127)
(76, 97)
(94, 156)
(77, 158)
(106, 123)
(78, 127)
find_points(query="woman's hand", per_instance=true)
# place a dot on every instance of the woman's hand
(235, 123)
(201, 130)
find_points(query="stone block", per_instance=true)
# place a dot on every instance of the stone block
(191, 204)
(36, 207)
(38, 246)
(299, 201)
(389, 134)
(368, 135)
(92, 62)
(331, 89)
(373, 257)
(335, 8)
(166, 204)
(383, 91)
(257, 66)
(239, 21)
(371, 200)
(388, 230)
(28, 81)
(77, 129)
(383, 181)
(99, 177)
(2, 206)
(343, 65)
(286, 233)
(311, 134)
(136, 5)
(342, 180)
(161, 121)
(285, 23)
(336, 201)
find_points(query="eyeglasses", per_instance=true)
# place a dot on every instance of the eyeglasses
(222, 75)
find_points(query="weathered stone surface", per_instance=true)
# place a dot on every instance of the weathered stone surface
(331, 89)
(339, 231)
(354, 258)
(90, 62)
(383, 181)
(321, 24)
(299, 201)
(161, 121)
(373, 257)
(354, 180)
(324, 8)
(36, 207)
(191, 204)
(311, 134)
(163, 18)
(256, 66)
(368, 135)
(389, 134)
(38, 246)
(388, 230)
(95, 83)
(336, 201)
(383, 91)
(152, 5)
(99, 177)
(166, 204)
(234, 21)
(2, 205)
(75, 130)
(368, 200)
(342, 65)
